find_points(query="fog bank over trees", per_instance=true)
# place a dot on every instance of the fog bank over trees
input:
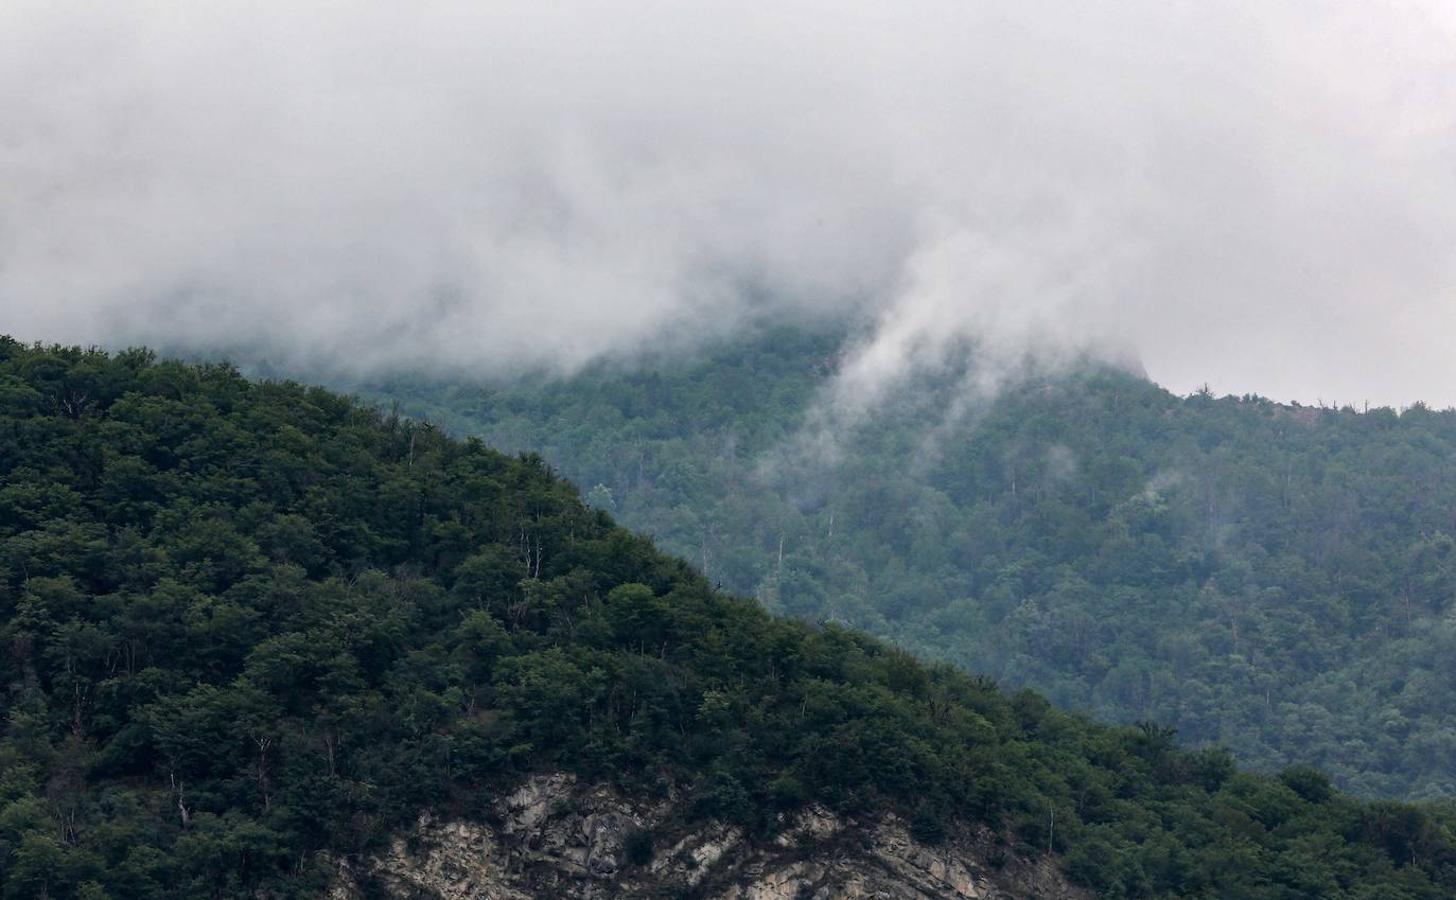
(1254, 195)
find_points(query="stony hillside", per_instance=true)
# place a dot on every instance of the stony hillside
(554, 837)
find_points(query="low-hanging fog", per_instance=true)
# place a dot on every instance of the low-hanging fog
(1258, 195)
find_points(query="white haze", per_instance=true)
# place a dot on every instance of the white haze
(1257, 195)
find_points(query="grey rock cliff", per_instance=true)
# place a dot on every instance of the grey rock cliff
(553, 837)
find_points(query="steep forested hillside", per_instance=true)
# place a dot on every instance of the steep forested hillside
(241, 623)
(1276, 578)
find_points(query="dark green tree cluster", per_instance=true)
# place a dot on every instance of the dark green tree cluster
(242, 623)
(1276, 578)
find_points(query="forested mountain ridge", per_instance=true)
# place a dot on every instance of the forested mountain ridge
(250, 629)
(1277, 578)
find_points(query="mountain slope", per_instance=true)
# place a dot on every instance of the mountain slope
(1276, 578)
(252, 631)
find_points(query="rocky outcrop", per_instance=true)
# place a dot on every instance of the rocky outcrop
(553, 837)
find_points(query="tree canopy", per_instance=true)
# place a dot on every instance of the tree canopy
(244, 622)
(1276, 578)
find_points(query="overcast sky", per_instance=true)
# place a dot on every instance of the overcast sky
(1257, 195)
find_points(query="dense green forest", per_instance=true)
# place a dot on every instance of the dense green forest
(1275, 578)
(242, 622)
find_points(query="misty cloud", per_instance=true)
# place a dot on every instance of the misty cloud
(1254, 194)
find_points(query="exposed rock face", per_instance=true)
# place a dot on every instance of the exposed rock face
(553, 837)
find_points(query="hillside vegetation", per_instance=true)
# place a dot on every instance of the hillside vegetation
(1279, 579)
(242, 623)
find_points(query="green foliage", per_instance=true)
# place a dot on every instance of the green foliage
(242, 623)
(637, 847)
(1278, 579)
